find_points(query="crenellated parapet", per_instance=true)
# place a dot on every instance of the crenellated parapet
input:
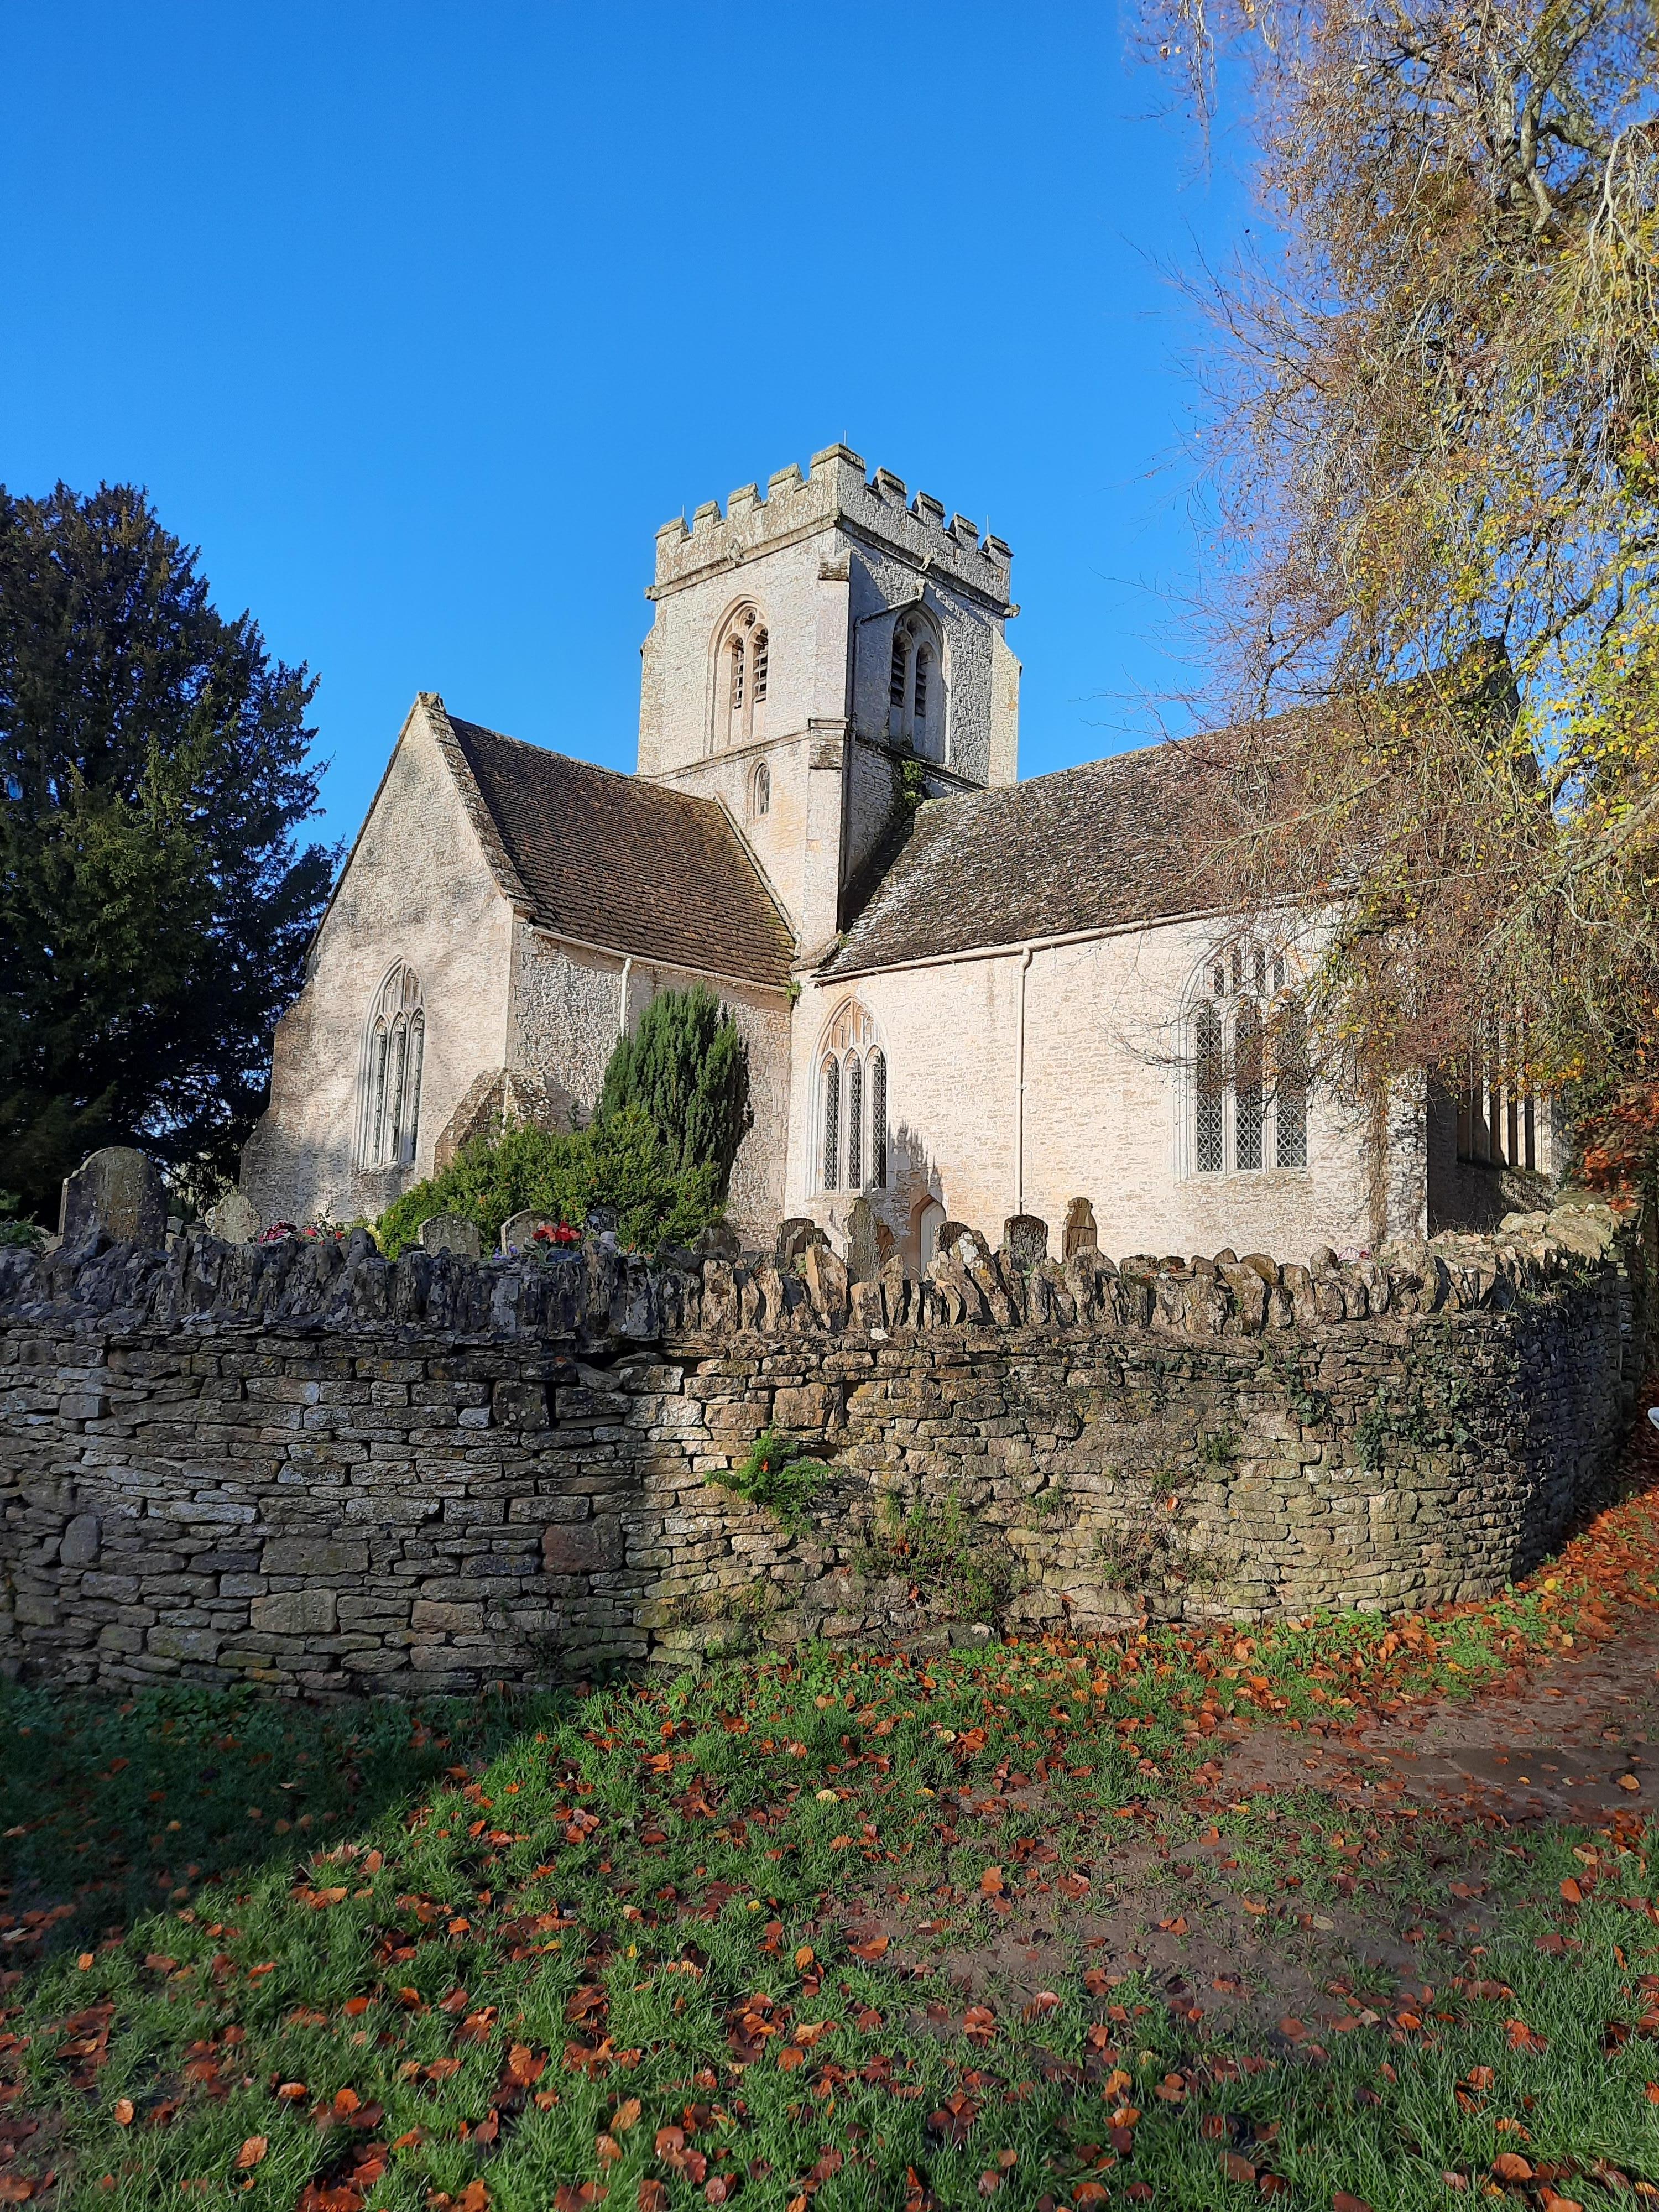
(836, 493)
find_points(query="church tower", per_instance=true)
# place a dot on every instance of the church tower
(817, 657)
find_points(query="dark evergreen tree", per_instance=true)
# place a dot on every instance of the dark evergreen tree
(155, 910)
(688, 1067)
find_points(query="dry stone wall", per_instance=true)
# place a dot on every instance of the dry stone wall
(297, 1465)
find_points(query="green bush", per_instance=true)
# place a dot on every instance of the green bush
(687, 1067)
(15, 1233)
(779, 1473)
(622, 1161)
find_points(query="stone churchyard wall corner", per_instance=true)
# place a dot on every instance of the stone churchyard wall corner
(298, 1465)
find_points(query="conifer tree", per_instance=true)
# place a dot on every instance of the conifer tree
(155, 910)
(688, 1067)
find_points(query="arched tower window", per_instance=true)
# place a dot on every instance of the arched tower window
(743, 669)
(1248, 1094)
(760, 791)
(852, 1111)
(389, 1081)
(916, 687)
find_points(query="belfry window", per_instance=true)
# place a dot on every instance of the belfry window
(742, 670)
(915, 692)
(389, 1082)
(1248, 1060)
(852, 1105)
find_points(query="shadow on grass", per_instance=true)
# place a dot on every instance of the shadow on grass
(112, 1808)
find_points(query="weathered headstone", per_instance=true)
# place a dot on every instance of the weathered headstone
(719, 1241)
(863, 1252)
(120, 1191)
(1081, 1234)
(886, 1242)
(1025, 1240)
(519, 1229)
(234, 1217)
(451, 1232)
(797, 1235)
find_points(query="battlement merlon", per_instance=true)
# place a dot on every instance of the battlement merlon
(836, 492)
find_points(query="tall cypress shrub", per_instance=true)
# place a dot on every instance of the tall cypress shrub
(687, 1066)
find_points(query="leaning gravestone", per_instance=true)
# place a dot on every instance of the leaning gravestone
(451, 1232)
(1025, 1240)
(863, 1249)
(234, 1218)
(519, 1229)
(118, 1190)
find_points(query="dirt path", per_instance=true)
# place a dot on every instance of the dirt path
(1575, 1742)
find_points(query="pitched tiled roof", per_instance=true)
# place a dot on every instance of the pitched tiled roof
(1090, 847)
(621, 862)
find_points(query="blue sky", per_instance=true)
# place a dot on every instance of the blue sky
(419, 321)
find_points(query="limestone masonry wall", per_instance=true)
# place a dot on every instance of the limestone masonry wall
(297, 1465)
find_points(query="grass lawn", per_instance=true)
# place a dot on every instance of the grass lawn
(760, 1936)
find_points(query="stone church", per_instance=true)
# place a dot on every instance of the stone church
(965, 997)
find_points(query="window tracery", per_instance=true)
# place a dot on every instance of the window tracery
(1249, 1074)
(389, 1083)
(743, 667)
(852, 1113)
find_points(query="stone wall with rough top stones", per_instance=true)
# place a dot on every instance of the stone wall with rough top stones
(298, 1466)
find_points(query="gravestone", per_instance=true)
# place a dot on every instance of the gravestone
(519, 1229)
(719, 1241)
(949, 1235)
(863, 1249)
(1025, 1240)
(886, 1242)
(120, 1191)
(795, 1237)
(451, 1232)
(1081, 1234)
(234, 1218)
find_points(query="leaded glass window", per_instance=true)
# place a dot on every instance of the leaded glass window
(389, 1082)
(832, 1077)
(1291, 1102)
(879, 1119)
(1208, 1054)
(1249, 1113)
(855, 1124)
(762, 656)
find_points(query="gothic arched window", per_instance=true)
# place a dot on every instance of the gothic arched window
(742, 668)
(389, 1082)
(1250, 1068)
(915, 692)
(851, 1117)
(760, 791)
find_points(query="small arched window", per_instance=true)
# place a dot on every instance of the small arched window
(916, 693)
(1250, 1068)
(851, 1117)
(743, 669)
(389, 1081)
(760, 791)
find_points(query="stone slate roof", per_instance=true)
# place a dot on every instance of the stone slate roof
(1090, 847)
(623, 863)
